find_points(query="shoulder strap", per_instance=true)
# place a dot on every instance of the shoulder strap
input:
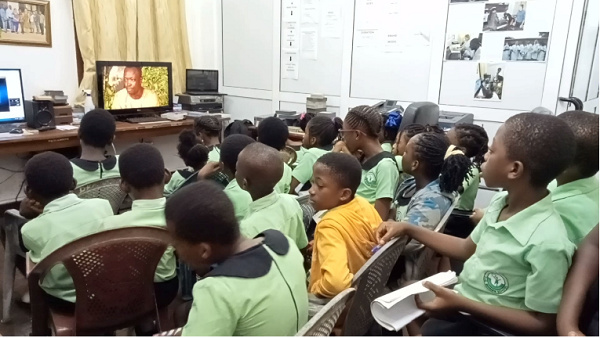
(373, 161)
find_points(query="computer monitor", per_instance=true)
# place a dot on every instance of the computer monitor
(129, 88)
(201, 81)
(12, 107)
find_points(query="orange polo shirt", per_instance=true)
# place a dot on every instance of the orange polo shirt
(342, 244)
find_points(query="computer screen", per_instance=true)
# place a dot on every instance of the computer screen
(199, 80)
(11, 96)
(125, 87)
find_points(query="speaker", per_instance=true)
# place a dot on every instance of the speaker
(39, 114)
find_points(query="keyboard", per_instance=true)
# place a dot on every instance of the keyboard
(6, 127)
(146, 119)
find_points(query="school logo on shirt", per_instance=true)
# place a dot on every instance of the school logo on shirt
(370, 179)
(495, 282)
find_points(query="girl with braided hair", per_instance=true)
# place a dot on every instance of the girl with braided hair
(208, 130)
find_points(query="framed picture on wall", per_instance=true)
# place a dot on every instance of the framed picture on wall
(25, 22)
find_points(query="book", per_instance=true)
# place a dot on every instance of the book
(398, 308)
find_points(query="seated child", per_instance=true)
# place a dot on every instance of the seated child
(230, 150)
(576, 197)
(345, 235)
(402, 139)
(245, 294)
(389, 130)
(208, 131)
(65, 218)
(518, 256)
(239, 127)
(194, 156)
(318, 141)
(379, 171)
(579, 305)
(96, 133)
(143, 178)
(275, 133)
(259, 168)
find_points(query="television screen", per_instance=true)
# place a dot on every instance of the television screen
(134, 86)
(11, 96)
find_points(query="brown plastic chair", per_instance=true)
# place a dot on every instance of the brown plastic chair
(324, 321)
(171, 333)
(113, 273)
(108, 189)
(370, 282)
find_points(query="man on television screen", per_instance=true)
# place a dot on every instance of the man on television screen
(134, 95)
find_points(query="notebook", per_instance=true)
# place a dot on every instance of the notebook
(396, 309)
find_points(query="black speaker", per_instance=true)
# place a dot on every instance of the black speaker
(39, 115)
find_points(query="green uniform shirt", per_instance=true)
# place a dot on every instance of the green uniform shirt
(471, 186)
(520, 263)
(378, 180)
(215, 154)
(240, 198)
(148, 213)
(86, 172)
(299, 154)
(387, 147)
(176, 181)
(276, 211)
(64, 220)
(577, 203)
(258, 292)
(304, 170)
(283, 186)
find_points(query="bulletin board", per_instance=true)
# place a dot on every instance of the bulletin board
(495, 53)
(312, 46)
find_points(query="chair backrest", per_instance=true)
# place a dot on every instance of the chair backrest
(308, 211)
(421, 113)
(108, 189)
(324, 321)
(113, 273)
(370, 283)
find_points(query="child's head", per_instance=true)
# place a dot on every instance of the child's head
(336, 177)
(404, 136)
(528, 148)
(142, 171)
(428, 155)
(192, 152)
(259, 168)
(207, 128)
(231, 148)
(304, 119)
(273, 132)
(238, 127)
(204, 230)
(49, 176)
(391, 125)
(472, 138)
(321, 131)
(361, 125)
(585, 127)
(97, 129)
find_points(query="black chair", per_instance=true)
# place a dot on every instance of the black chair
(425, 113)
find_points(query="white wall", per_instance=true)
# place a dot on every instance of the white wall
(48, 68)
(202, 20)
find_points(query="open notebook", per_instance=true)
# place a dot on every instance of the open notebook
(396, 309)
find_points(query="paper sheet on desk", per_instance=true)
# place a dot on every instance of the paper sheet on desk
(8, 135)
(66, 127)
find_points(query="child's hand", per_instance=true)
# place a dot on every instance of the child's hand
(30, 208)
(340, 147)
(208, 169)
(388, 231)
(445, 301)
(477, 216)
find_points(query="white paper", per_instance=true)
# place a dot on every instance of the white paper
(290, 33)
(366, 37)
(66, 127)
(331, 20)
(290, 11)
(310, 11)
(392, 43)
(309, 43)
(368, 14)
(290, 64)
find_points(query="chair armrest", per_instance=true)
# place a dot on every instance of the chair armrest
(174, 332)
(12, 223)
(29, 264)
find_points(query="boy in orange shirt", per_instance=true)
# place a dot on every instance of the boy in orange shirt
(345, 235)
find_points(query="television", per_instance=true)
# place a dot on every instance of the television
(12, 107)
(134, 88)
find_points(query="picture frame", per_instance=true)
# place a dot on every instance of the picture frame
(33, 27)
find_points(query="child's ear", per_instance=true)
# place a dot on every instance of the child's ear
(414, 165)
(312, 141)
(125, 187)
(221, 166)
(346, 195)
(74, 184)
(167, 176)
(205, 251)
(28, 192)
(517, 170)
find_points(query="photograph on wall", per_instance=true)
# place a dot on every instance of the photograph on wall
(505, 16)
(489, 82)
(526, 49)
(464, 46)
(25, 22)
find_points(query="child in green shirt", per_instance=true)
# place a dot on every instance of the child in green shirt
(194, 156)
(318, 141)
(257, 287)
(518, 256)
(275, 133)
(230, 150)
(208, 131)
(389, 131)
(143, 177)
(576, 197)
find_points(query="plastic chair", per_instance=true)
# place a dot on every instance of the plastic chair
(12, 249)
(108, 189)
(113, 273)
(171, 333)
(324, 321)
(369, 283)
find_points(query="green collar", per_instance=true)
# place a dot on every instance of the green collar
(578, 187)
(233, 185)
(155, 204)
(264, 202)
(61, 203)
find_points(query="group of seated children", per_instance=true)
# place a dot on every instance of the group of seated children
(251, 231)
